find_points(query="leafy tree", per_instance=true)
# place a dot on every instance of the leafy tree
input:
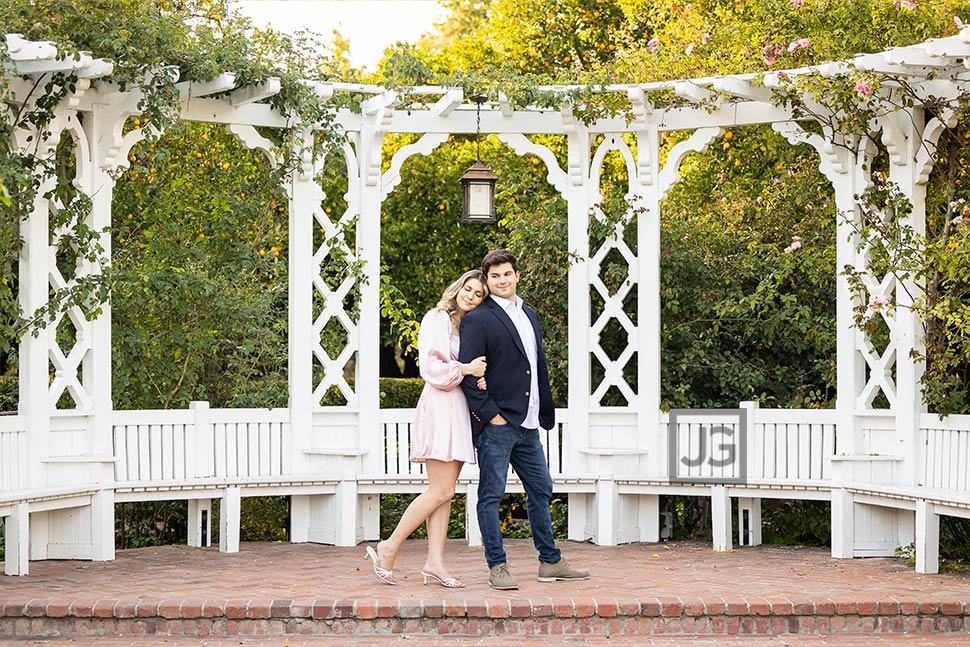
(200, 298)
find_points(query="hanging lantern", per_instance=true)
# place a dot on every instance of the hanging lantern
(478, 182)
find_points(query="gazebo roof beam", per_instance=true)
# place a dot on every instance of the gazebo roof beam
(920, 56)
(43, 66)
(741, 89)
(504, 106)
(99, 68)
(880, 63)
(21, 49)
(695, 92)
(222, 83)
(954, 47)
(324, 91)
(255, 93)
(449, 101)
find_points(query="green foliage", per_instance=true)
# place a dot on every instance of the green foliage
(394, 505)
(150, 523)
(742, 318)
(152, 45)
(8, 393)
(199, 275)
(400, 393)
(802, 523)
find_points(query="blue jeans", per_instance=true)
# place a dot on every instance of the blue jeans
(498, 446)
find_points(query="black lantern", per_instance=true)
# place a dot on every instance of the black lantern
(478, 182)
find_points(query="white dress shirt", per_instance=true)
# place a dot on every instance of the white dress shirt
(513, 308)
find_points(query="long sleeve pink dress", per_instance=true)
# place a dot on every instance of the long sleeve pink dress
(442, 429)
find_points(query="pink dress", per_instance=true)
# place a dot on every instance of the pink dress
(442, 429)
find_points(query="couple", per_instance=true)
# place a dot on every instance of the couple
(506, 409)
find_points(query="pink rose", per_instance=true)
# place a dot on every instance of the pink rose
(653, 45)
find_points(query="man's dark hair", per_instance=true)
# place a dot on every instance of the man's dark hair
(498, 257)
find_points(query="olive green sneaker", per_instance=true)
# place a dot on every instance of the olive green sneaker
(499, 578)
(561, 570)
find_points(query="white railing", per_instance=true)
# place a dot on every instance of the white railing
(946, 456)
(791, 444)
(777, 445)
(199, 442)
(13, 453)
(251, 442)
(396, 427)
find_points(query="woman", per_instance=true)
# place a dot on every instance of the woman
(441, 438)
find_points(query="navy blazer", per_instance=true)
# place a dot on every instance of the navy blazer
(487, 330)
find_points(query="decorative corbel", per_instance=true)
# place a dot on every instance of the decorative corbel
(522, 146)
(696, 143)
(113, 144)
(252, 140)
(577, 167)
(379, 112)
(424, 146)
(833, 159)
(931, 135)
(639, 106)
(897, 132)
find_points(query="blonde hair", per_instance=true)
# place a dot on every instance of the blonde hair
(449, 298)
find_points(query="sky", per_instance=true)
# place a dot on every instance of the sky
(370, 25)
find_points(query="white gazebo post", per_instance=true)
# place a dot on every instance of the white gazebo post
(647, 193)
(579, 202)
(34, 399)
(911, 142)
(306, 198)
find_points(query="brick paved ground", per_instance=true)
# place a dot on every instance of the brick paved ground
(937, 640)
(271, 589)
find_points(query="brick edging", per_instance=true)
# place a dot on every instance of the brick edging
(62, 617)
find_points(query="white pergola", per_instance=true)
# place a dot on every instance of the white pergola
(889, 473)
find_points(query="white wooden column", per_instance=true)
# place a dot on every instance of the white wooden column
(911, 143)
(16, 541)
(200, 523)
(647, 193)
(927, 538)
(34, 353)
(578, 205)
(901, 134)
(230, 520)
(306, 197)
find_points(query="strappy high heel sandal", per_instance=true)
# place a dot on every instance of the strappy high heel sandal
(448, 582)
(382, 574)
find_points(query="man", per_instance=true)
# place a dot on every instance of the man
(506, 416)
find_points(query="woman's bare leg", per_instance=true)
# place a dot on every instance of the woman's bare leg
(438, 531)
(442, 476)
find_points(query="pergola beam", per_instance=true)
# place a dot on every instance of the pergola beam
(255, 93)
(222, 83)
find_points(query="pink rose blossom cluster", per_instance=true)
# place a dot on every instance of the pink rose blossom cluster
(905, 4)
(796, 4)
(799, 43)
(876, 304)
(653, 45)
(770, 53)
(796, 243)
(863, 89)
